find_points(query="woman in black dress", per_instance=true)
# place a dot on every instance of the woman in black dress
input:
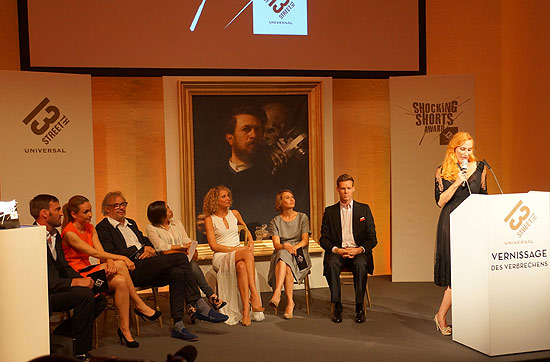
(450, 191)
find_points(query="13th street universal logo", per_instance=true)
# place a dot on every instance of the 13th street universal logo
(436, 118)
(47, 122)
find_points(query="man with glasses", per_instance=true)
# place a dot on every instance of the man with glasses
(120, 235)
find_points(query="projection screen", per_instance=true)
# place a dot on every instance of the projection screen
(322, 37)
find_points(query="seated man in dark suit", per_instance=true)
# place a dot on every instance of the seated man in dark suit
(348, 236)
(66, 288)
(120, 235)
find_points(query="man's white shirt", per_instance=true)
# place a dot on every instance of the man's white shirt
(129, 236)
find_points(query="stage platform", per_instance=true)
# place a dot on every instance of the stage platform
(399, 327)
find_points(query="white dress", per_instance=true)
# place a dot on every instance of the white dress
(224, 265)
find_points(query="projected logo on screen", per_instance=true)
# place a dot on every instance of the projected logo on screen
(280, 17)
(273, 17)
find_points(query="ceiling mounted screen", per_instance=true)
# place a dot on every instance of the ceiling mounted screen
(261, 35)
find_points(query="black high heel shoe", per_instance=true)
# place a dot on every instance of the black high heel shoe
(154, 317)
(129, 344)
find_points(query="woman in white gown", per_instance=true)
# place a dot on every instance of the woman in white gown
(233, 263)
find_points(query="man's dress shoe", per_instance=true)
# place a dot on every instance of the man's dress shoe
(212, 316)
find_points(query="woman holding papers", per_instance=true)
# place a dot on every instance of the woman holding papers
(459, 176)
(290, 260)
(169, 236)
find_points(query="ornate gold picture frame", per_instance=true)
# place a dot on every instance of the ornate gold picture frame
(195, 97)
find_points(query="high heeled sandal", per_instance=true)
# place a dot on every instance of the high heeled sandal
(257, 310)
(216, 302)
(446, 331)
(289, 315)
(129, 344)
(275, 303)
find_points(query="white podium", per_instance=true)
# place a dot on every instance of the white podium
(500, 267)
(24, 316)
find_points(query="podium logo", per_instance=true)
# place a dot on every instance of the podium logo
(520, 218)
(44, 121)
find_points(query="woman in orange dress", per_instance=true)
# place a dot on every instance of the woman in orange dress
(80, 241)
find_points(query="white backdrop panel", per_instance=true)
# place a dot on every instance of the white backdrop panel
(425, 111)
(47, 140)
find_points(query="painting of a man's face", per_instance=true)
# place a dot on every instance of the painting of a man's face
(247, 136)
(231, 147)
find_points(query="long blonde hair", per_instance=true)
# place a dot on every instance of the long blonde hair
(210, 203)
(449, 169)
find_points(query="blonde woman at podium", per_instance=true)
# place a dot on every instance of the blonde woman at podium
(458, 176)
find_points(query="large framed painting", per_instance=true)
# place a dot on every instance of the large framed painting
(256, 138)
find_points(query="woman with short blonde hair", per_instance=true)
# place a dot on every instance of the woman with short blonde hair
(290, 261)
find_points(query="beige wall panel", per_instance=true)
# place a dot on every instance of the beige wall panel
(525, 90)
(463, 37)
(129, 142)
(362, 149)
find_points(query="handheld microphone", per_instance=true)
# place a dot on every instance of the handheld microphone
(495, 176)
(464, 168)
